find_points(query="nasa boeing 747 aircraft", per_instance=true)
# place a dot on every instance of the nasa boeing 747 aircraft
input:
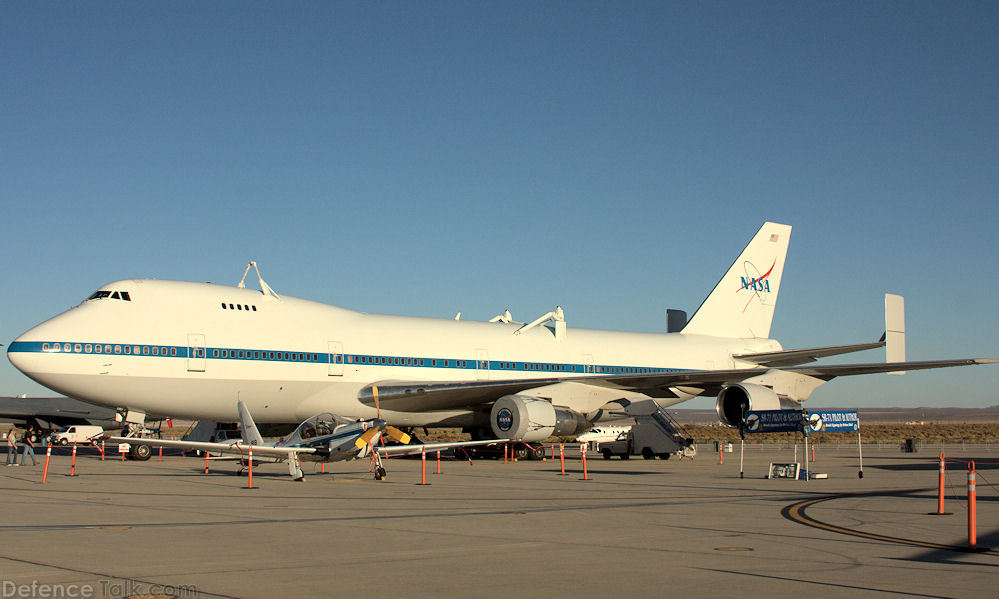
(192, 350)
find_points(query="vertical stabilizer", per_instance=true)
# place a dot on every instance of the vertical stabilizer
(895, 329)
(251, 436)
(742, 304)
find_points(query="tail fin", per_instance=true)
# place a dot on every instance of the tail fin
(742, 304)
(250, 433)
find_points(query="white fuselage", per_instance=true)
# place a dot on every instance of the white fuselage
(192, 350)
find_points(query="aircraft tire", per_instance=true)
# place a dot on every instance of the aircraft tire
(606, 453)
(647, 454)
(140, 453)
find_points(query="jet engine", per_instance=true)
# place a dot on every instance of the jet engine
(737, 399)
(523, 418)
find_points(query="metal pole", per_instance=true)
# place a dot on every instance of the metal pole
(807, 473)
(742, 453)
(860, 450)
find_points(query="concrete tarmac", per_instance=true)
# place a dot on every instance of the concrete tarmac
(637, 529)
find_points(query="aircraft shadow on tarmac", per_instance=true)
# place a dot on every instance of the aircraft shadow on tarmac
(931, 463)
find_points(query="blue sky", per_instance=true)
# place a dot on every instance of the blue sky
(426, 158)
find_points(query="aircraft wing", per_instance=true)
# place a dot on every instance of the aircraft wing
(239, 449)
(793, 357)
(419, 396)
(397, 450)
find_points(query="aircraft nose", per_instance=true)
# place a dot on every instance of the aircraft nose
(20, 353)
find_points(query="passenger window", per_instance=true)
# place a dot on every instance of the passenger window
(173, 351)
(215, 353)
(45, 347)
(97, 349)
(145, 350)
(117, 349)
(77, 348)
(256, 355)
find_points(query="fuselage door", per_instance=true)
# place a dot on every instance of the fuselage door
(195, 352)
(336, 358)
(482, 364)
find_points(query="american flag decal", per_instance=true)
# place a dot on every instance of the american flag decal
(774, 238)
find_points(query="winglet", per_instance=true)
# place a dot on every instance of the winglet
(894, 329)
(250, 433)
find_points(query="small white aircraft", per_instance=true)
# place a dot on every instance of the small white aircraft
(322, 438)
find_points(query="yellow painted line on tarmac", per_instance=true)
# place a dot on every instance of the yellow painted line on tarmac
(796, 512)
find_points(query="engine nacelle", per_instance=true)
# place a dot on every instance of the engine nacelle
(737, 399)
(522, 418)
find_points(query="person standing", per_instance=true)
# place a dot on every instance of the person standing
(11, 447)
(29, 449)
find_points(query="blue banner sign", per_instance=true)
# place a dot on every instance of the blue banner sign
(774, 421)
(823, 422)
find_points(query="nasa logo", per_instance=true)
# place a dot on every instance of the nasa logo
(504, 419)
(755, 284)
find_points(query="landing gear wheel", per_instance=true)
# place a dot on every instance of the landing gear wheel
(521, 452)
(606, 453)
(647, 454)
(379, 473)
(140, 453)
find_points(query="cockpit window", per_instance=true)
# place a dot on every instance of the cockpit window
(122, 295)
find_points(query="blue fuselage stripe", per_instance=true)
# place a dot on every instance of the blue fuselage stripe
(309, 357)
